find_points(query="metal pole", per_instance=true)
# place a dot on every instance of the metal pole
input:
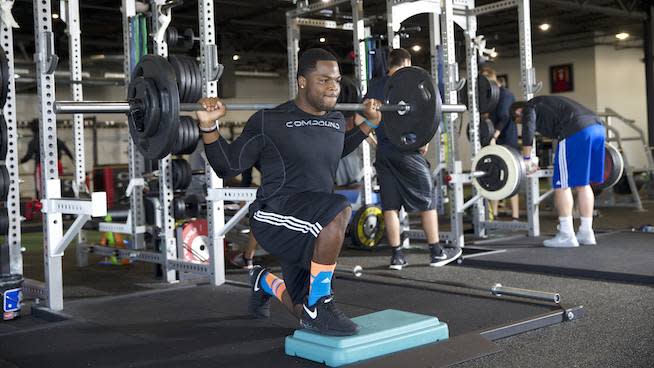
(13, 239)
(109, 107)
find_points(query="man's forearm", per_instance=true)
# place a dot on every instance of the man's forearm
(208, 138)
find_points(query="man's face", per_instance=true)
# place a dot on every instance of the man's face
(517, 116)
(323, 85)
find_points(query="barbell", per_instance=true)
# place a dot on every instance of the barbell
(498, 171)
(413, 107)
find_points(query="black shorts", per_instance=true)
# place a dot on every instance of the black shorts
(405, 181)
(288, 227)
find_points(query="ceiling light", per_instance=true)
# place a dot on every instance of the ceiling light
(55, 16)
(322, 39)
(545, 27)
(622, 36)
(325, 1)
(493, 54)
(416, 48)
(235, 57)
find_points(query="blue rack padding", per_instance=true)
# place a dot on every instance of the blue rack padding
(380, 333)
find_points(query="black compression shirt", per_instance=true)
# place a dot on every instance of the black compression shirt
(297, 151)
(554, 117)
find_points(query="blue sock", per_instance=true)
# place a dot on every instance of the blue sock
(321, 281)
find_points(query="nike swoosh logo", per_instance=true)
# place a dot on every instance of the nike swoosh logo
(328, 300)
(256, 282)
(313, 314)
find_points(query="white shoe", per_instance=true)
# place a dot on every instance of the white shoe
(586, 237)
(562, 240)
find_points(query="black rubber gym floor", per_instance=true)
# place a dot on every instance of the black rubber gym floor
(203, 326)
(618, 256)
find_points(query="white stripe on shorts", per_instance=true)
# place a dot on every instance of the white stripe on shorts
(289, 222)
(563, 165)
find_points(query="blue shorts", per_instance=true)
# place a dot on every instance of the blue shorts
(579, 159)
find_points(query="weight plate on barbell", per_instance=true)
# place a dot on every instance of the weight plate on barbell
(158, 70)
(367, 227)
(486, 130)
(350, 93)
(413, 129)
(613, 168)
(489, 94)
(504, 172)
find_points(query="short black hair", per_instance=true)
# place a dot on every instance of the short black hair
(397, 57)
(515, 106)
(310, 58)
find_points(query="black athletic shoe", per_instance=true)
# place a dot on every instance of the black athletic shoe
(451, 255)
(324, 318)
(436, 254)
(398, 260)
(259, 303)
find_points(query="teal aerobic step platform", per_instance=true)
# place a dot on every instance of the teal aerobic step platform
(380, 333)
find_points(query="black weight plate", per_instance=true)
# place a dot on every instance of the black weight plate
(192, 205)
(172, 35)
(159, 145)
(367, 227)
(4, 137)
(179, 208)
(184, 135)
(178, 140)
(4, 221)
(4, 183)
(4, 78)
(147, 94)
(195, 136)
(183, 121)
(189, 175)
(196, 78)
(486, 130)
(187, 41)
(350, 93)
(190, 78)
(180, 75)
(415, 128)
(489, 94)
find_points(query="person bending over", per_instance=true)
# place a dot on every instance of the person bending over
(579, 159)
(296, 216)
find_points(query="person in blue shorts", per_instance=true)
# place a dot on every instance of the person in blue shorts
(579, 159)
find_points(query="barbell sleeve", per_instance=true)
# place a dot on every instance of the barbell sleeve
(98, 107)
(109, 107)
(498, 290)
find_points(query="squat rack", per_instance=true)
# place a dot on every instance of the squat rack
(11, 249)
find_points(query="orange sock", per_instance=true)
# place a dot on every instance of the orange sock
(273, 285)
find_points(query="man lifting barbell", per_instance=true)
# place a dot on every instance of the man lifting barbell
(405, 181)
(579, 159)
(296, 216)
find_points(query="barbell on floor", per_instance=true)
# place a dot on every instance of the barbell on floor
(153, 106)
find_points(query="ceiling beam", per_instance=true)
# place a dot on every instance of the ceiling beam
(608, 10)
